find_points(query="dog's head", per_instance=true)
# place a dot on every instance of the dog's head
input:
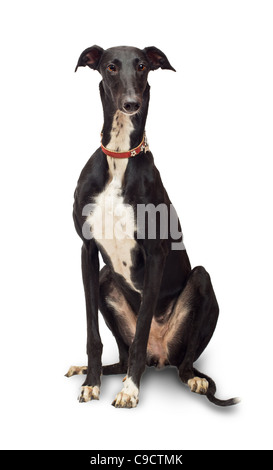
(124, 72)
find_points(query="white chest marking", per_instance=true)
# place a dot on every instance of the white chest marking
(112, 221)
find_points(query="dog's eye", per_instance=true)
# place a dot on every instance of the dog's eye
(112, 68)
(141, 67)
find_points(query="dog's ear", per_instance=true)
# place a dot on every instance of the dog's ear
(91, 57)
(157, 59)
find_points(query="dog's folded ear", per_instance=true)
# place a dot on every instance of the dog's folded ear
(157, 59)
(91, 57)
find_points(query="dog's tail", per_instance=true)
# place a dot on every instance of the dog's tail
(211, 392)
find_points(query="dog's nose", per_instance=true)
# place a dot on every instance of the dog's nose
(131, 106)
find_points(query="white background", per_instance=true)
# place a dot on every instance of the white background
(210, 130)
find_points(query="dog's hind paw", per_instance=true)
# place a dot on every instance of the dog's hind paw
(88, 393)
(128, 397)
(76, 370)
(198, 385)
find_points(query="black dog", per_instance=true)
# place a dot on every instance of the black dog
(160, 311)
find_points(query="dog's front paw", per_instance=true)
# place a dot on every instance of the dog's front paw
(128, 397)
(88, 393)
(123, 400)
(198, 385)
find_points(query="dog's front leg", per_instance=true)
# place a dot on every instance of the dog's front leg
(154, 266)
(90, 273)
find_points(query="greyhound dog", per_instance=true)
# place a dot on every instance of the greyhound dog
(160, 310)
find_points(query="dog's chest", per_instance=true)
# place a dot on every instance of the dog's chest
(112, 222)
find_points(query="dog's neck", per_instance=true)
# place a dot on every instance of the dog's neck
(122, 132)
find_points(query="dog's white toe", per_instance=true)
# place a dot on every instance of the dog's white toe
(198, 385)
(88, 393)
(128, 397)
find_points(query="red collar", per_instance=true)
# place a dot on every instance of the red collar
(143, 146)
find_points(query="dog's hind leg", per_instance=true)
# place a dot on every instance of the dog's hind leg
(195, 317)
(112, 369)
(76, 370)
(200, 323)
